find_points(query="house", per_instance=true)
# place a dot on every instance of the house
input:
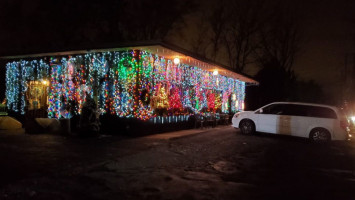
(144, 82)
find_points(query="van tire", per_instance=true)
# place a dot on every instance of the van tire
(320, 135)
(247, 127)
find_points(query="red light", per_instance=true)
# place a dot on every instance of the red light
(344, 124)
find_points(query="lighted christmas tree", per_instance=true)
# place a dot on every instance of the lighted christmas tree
(162, 99)
(187, 101)
(225, 104)
(203, 100)
(174, 100)
(211, 101)
(197, 99)
(218, 102)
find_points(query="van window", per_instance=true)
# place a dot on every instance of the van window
(322, 112)
(275, 109)
(295, 110)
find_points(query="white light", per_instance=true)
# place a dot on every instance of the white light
(44, 82)
(176, 61)
(234, 97)
(352, 118)
(215, 72)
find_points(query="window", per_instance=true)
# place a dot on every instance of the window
(295, 110)
(322, 112)
(299, 110)
(275, 109)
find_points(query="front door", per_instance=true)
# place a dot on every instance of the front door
(269, 118)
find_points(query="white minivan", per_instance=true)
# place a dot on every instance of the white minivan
(314, 121)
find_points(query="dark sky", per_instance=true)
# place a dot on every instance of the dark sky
(327, 27)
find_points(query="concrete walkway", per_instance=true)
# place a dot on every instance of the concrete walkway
(162, 136)
(184, 133)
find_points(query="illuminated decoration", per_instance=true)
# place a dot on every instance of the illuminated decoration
(225, 104)
(160, 100)
(35, 95)
(13, 93)
(203, 100)
(55, 94)
(186, 103)
(176, 61)
(18, 75)
(236, 105)
(234, 97)
(131, 84)
(218, 102)
(211, 101)
(175, 100)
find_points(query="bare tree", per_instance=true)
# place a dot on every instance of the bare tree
(240, 36)
(199, 43)
(248, 32)
(218, 24)
(233, 30)
(151, 19)
(279, 40)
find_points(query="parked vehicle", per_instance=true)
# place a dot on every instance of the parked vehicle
(314, 121)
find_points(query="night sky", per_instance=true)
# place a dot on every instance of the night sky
(329, 37)
(328, 32)
(327, 27)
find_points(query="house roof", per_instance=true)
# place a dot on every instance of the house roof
(166, 50)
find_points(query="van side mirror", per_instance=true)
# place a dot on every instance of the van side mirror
(261, 110)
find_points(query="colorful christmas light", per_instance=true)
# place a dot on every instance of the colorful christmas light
(126, 83)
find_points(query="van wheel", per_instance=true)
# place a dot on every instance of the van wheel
(320, 135)
(247, 127)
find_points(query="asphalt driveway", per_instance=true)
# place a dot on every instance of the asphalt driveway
(217, 163)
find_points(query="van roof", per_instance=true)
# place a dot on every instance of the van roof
(304, 103)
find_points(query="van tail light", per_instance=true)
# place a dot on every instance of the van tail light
(344, 124)
(236, 115)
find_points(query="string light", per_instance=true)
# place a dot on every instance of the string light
(126, 83)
